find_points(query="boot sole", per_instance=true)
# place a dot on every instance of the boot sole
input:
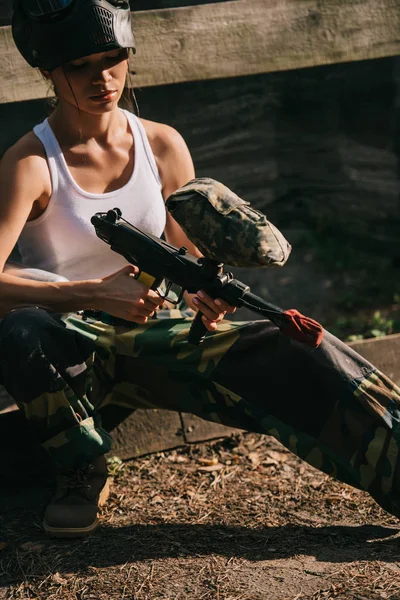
(69, 532)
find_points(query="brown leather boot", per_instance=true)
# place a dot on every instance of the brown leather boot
(72, 511)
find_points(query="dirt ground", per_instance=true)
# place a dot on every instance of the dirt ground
(237, 519)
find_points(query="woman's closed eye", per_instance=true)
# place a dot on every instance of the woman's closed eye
(75, 65)
(110, 57)
(117, 55)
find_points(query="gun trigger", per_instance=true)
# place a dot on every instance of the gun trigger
(145, 278)
(170, 292)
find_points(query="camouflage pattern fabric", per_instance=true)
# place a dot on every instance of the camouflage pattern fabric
(225, 227)
(46, 369)
(327, 405)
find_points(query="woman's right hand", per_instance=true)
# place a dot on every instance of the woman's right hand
(122, 296)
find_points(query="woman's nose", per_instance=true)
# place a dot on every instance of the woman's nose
(103, 76)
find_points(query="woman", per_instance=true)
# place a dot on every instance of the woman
(328, 405)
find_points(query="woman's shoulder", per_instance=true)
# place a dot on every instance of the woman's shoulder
(28, 147)
(171, 154)
(163, 138)
(25, 161)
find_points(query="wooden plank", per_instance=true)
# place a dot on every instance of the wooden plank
(235, 38)
(198, 430)
(6, 6)
(382, 352)
(135, 433)
(147, 431)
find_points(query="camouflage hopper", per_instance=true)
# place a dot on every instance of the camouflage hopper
(226, 228)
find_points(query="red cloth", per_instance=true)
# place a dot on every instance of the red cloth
(301, 328)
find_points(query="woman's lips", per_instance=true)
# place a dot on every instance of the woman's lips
(106, 97)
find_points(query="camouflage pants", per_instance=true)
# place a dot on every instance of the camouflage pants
(327, 405)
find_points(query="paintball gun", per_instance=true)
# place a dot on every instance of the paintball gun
(165, 268)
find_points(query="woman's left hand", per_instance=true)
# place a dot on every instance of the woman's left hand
(213, 310)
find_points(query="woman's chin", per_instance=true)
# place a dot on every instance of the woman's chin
(94, 108)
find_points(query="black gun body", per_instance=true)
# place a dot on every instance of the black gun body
(158, 260)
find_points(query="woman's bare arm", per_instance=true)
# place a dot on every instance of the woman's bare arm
(176, 168)
(25, 183)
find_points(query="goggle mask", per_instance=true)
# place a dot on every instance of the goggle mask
(49, 33)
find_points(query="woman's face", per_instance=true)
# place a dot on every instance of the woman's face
(93, 83)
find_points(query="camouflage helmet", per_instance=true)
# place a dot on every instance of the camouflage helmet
(226, 228)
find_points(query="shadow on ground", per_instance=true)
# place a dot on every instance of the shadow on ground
(135, 543)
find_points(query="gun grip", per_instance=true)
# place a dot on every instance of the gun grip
(197, 331)
(147, 279)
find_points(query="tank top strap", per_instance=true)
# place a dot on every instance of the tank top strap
(45, 134)
(141, 137)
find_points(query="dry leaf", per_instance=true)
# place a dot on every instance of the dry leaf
(211, 468)
(270, 462)
(208, 461)
(181, 459)
(3, 545)
(280, 457)
(58, 579)
(32, 546)
(254, 458)
(316, 483)
(157, 500)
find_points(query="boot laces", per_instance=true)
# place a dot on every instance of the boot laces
(76, 479)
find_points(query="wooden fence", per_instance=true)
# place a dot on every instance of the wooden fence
(228, 39)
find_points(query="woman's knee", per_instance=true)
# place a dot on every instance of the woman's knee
(20, 326)
(25, 368)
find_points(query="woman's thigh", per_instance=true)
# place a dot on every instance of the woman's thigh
(328, 405)
(249, 376)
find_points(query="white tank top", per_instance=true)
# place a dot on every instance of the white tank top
(63, 240)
